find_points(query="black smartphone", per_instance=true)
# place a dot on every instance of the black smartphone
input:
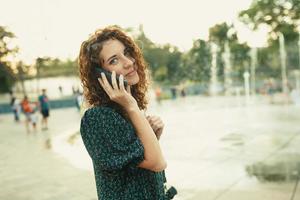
(108, 75)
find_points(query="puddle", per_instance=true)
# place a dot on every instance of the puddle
(282, 168)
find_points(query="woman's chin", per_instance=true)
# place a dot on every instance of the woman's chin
(133, 81)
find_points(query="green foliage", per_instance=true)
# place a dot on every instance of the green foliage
(5, 37)
(279, 15)
(7, 77)
(240, 60)
(47, 67)
(197, 62)
(220, 33)
(165, 61)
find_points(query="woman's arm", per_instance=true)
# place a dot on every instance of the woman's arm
(154, 159)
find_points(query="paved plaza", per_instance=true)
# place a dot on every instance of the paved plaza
(30, 170)
(214, 151)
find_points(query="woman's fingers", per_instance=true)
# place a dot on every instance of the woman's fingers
(158, 125)
(128, 89)
(102, 84)
(121, 82)
(155, 122)
(114, 81)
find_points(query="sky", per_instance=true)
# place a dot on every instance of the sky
(56, 28)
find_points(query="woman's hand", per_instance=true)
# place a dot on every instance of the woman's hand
(118, 93)
(156, 124)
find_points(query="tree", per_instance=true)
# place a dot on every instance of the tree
(49, 67)
(222, 33)
(198, 61)
(279, 15)
(164, 61)
(7, 77)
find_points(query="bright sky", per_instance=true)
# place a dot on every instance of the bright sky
(57, 27)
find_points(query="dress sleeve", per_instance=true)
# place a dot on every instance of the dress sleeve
(110, 140)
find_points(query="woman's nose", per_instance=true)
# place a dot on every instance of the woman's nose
(128, 62)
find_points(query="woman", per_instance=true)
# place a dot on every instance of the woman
(121, 141)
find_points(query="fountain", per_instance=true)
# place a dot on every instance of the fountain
(213, 88)
(298, 83)
(227, 69)
(247, 86)
(253, 54)
(283, 63)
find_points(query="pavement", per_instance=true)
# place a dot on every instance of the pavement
(207, 155)
(30, 170)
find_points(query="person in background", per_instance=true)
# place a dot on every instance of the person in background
(158, 94)
(27, 110)
(44, 109)
(60, 90)
(16, 107)
(78, 100)
(34, 116)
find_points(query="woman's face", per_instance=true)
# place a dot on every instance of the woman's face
(115, 57)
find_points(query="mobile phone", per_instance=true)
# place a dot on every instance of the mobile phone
(108, 75)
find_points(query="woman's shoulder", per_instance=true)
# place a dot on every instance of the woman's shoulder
(101, 112)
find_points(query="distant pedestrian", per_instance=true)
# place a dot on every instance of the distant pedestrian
(158, 95)
(174, 92)
(182, 92)
(27, 110)
(16, 107)
(60, 90)
(44, 109)
(34, 117)
(79, 100)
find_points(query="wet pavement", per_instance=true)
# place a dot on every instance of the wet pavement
(216, 148)
(30, 170)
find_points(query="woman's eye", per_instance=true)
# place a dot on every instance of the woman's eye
(113, 61)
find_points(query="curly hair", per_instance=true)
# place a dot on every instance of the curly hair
(89, 59)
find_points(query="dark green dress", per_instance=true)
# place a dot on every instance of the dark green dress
(115, 150)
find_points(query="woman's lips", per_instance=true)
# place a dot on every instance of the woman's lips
(131, 73)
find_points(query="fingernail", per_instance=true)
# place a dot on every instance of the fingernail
(102, 74)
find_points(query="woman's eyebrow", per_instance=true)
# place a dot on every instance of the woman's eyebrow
(111, 57)
(115, 55)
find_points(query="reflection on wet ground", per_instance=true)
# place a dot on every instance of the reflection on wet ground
(216, 149)
(48, 144)
(284, 168)
(70, 140)
(73, 138)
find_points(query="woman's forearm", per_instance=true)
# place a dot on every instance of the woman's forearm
(153, 153)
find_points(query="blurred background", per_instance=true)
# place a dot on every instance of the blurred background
(225, 81)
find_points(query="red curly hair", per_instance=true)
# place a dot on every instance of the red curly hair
(89, 58)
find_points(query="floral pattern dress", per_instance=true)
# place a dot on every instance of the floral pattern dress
(116, 151)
